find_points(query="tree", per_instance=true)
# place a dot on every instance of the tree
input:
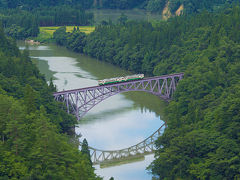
(30, 99)
(85, 150)
(122, 19)
(60, 36)
(33, 143)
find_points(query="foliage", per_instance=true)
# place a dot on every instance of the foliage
(190, 6)
(51, 29)
(60, 36)
(22, 18)
(202, 139)
(74, 41)
(32, 4)
(156, 5)
(85, 151)
(21, 24)
(46, 33)
(120, 4)
(33, 127)
(63, 15)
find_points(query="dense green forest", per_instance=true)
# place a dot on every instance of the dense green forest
(21, 18)
(119, 4)
(157, 6)
(190, 6)
(106, 4)
(202, 139)
(33, 127)
(21, 24)
(31, 4)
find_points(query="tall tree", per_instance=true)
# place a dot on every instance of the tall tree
(85, 150)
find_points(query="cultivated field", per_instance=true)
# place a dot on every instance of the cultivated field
(51, 29)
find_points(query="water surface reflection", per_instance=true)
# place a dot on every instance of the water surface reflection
(116, 123)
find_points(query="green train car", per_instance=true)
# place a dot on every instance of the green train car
(120, 79)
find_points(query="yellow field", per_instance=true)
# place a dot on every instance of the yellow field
(51, 29)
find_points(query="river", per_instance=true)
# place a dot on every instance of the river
(118, 122)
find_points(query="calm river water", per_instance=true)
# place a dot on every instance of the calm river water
(118, 122)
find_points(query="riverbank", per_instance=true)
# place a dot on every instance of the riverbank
(32, 42)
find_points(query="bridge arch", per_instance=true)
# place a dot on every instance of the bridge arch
(80, 101)
(144, 147)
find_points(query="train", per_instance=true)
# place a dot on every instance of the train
(120, 79)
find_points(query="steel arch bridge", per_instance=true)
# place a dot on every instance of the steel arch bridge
(80, 101)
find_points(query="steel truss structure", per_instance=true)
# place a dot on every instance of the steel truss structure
(80, 101)
(145, 147)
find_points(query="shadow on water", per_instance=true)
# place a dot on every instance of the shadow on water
(103, 114)
(147, 101)
(45, 69)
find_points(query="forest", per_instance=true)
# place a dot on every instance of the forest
(21, 24)
(36, 138)
(31, 4)
(191, 6)
(21, 18)
(202, 139)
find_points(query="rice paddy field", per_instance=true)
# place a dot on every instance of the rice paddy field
(46, 33)
(51, 29)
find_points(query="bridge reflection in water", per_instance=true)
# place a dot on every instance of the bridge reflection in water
(145, 147)
(80, 101)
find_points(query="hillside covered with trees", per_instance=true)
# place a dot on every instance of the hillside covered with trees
(189, 6)
(21, 23)
(202, 139)
(31, 4)
(158, 6)
(33, 127)
(21, 18)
